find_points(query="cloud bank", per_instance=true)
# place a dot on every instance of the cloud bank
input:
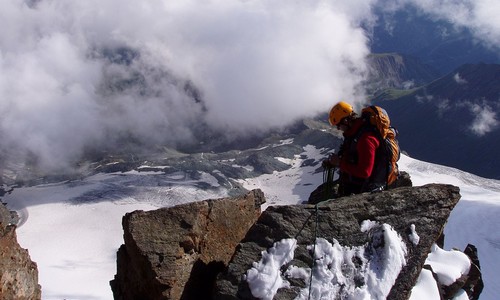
(87, 74)
(480, 16)
(77, 76)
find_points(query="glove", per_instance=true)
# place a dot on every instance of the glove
(331, 162)
(326, 164)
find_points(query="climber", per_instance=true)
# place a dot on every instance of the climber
(367, 159)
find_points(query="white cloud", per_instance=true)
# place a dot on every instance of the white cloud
(480, 16)
(278, 69)
(485, 120)
(255, 65)
(458, 79)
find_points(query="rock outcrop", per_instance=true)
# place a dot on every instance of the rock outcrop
(18, 273)
(203, 250)
(426, 207)
(177, 252)
(471, 283)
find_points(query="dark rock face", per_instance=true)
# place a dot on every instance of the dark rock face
(472, 283)
(426, 207)
(176, 252)
(18, 274)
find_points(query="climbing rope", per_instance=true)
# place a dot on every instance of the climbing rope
(304, 225)
(314, 250)
(315, 236)
(328, 175)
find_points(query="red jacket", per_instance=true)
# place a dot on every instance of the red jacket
(358, 158)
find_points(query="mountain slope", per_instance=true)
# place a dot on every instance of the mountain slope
(394, 70)
(452, 120)
(438, 43)
(72, 229)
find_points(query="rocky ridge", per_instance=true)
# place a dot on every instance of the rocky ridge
(171, 249)
(427, 208)
(18, 273)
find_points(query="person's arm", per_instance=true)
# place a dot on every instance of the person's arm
(366, 147)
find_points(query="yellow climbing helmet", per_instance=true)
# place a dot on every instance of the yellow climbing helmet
(339, 111)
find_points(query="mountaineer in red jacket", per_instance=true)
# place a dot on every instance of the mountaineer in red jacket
(356, 157)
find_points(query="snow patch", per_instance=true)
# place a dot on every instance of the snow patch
(284, 160)
(426, 287)
(284, 142)
(210, 179)
(366, 225)
(448, 265)
(413, 236)
(264, 278)
(334, 272)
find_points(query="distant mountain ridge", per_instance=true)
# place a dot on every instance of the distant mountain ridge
(452, 120)
(394, 70)
(468, 82)
(443, 45)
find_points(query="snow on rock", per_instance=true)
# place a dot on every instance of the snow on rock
(345, 263)
(264, 278)
(448, 265)
(413, 236)
(388, 257)
(334, 272)
(426, 287)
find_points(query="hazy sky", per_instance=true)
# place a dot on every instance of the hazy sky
(80, 74)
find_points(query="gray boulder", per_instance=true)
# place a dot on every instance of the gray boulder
(176, 252)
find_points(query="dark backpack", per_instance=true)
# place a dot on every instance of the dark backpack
(386, 168)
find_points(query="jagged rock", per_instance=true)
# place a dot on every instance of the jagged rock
(18, 273)
(176, 252)
(451, 290)
(404, 179)
(472, 283)
(426, 207)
